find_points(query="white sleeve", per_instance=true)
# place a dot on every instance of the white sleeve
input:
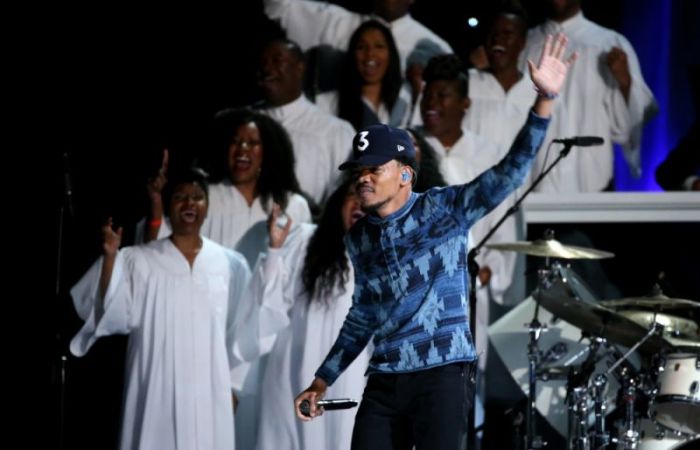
(310, 23)
(298, 209)
(107, 316)
(264, 310)
(237, 292)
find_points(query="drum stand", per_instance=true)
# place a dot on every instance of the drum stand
(601, 438)
(580, 394)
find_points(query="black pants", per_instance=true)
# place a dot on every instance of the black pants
(428, 409)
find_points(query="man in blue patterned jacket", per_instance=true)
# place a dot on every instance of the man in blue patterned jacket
(411, 282)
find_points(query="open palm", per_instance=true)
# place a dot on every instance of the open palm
(549, 75)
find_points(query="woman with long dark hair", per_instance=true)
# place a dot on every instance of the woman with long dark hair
(254, 162)
(304, 290)
(371, 89)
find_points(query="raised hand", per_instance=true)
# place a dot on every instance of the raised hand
(111, 240)
(278, 234)
(156, 184)
(550, 73)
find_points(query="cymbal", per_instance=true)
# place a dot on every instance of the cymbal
(551, 248)
(678, 328)
(658, 302)
(683, 344)
(596, 319)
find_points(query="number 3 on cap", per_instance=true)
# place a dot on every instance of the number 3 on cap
(364, 143)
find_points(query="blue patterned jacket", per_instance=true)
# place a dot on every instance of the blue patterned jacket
(411, 280)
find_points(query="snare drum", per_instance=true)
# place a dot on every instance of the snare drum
(677, 403)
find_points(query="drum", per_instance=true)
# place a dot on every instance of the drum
(655, 437)
(561, 348)
(677, 402)
(691, 444)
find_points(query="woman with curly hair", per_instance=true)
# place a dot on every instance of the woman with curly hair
(254, 163)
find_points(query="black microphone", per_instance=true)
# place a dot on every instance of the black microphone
(581, 141)
(329, 405)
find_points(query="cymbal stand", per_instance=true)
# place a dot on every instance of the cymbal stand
(654, 328)
(535, 329)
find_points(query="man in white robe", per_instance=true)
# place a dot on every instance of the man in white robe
(605, 95)
(177, 304)
(501, 95)
(321, 141)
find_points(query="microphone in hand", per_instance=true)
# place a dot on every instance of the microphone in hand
(305, 408)
(329, 404)
(581, 141)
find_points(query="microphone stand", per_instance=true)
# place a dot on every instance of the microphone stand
(473, 268)
(65, 214)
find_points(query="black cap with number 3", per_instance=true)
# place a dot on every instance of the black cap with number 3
(378, 144)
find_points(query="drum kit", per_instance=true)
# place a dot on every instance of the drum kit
(641, 360)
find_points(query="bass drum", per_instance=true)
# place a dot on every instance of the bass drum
(677, 403)
(656, 437)
(691, 444)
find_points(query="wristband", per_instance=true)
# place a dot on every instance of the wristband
(547, 95)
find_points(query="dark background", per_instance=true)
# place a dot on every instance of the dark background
(117, 87)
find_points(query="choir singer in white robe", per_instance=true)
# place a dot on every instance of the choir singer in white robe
(175, 298)
(253, 163)
(604, 95)
(304, 290)
(311, 23)
(501, 95)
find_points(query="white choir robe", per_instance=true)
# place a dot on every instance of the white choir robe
(398, 116)
(229, 220)
(303, 331)
(494, 114)
(470, 156)
(321, 142)
(311, 23)
(591, 104)
(180, 326)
